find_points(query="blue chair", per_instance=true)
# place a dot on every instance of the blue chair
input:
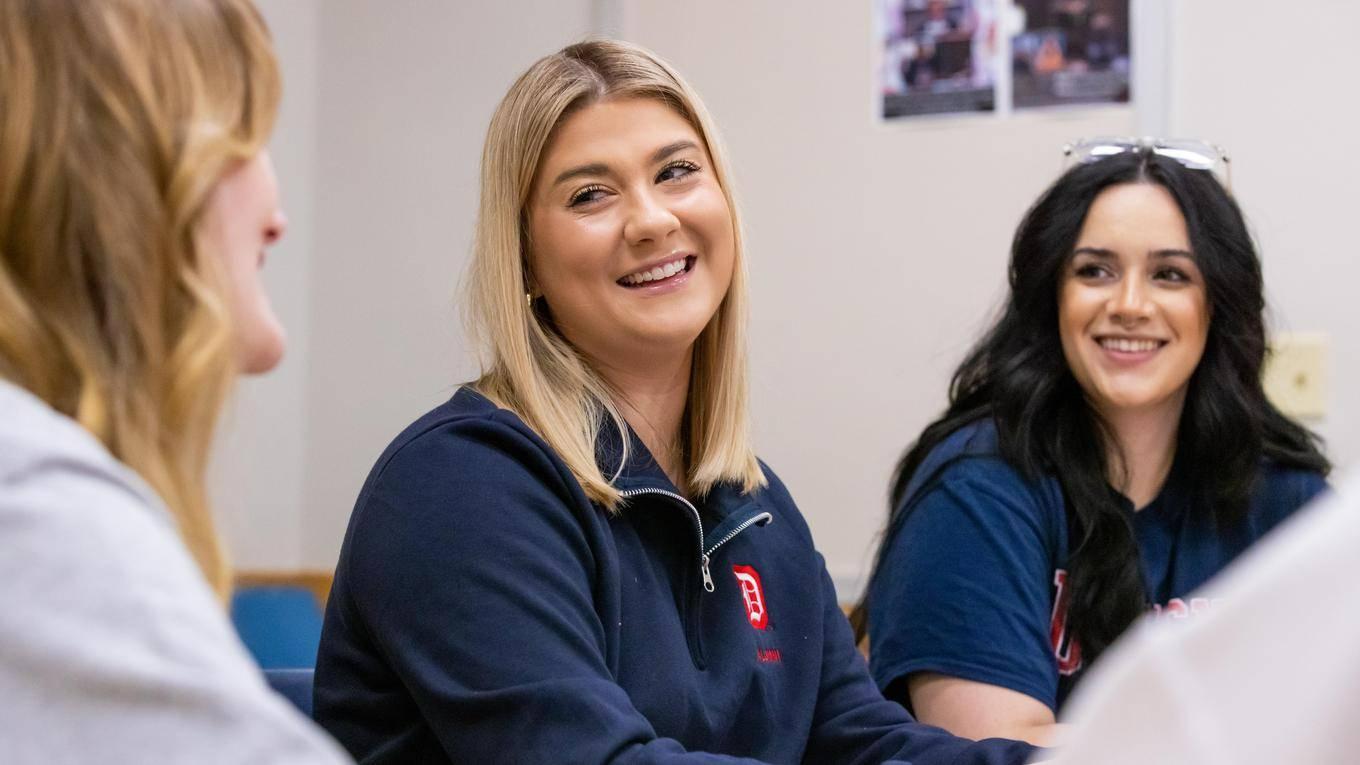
(280, 624)
(294, 685)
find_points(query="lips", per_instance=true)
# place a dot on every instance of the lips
(1130, 344)
(658, 273)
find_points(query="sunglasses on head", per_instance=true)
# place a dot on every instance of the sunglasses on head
(1188, 152)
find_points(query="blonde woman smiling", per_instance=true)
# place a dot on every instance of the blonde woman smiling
(578, 558)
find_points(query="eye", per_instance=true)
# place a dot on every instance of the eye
(676, 170)
(587, 195)
(1171, 275)
(1091, 271)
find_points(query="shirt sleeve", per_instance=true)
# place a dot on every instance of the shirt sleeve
(477, 581)
(854, 724)
(112, 646)
(964, 588)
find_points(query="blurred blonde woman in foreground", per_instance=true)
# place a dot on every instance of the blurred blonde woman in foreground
(136, 203)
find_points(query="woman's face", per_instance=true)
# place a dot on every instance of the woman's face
(631, 239)
(241, 221)
(1132, 310)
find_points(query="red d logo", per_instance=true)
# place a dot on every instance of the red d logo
(752, 595)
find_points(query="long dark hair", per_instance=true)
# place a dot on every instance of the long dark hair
(1017, 376)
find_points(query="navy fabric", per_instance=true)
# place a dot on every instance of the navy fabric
(485, 611)
(294, 685)
(970, 585)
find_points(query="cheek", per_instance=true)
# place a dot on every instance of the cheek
(715, 216)
(1198, 321)
(1192, 317)
(1072, 315)
(711, 219)
(574, 254)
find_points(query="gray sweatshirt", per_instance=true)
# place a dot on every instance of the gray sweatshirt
(113, 648)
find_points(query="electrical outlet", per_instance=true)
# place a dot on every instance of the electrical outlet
(1295, 375)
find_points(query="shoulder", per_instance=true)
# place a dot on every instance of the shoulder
(1280, 490)
(66, 502)
(46, 451)
(968, 462)
(465, 477)
(778, 501)
(70, 512)
(1291, 481)
(467, 445)
(966, 488)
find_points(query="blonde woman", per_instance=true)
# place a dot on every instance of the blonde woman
(136, 202)
(578, 558)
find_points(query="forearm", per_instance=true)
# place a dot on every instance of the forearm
(1039, 734)
(980, 710)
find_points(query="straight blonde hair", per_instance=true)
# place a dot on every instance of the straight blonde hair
(528, 366)
(117, 119)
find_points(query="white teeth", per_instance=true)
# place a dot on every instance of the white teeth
(660, 272)
(1126, 345)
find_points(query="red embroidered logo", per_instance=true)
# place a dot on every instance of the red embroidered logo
(768, 656)
(752, 595)
(1066, 648)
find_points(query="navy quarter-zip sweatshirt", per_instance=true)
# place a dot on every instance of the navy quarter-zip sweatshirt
(484, 610)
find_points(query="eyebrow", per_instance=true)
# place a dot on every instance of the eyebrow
(672, 148)
(599, 168)
(595, 168)
(1105, 254)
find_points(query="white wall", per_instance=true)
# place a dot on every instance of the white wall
(877, 250)
(258, 471)
(1277, 89)
(406, 90)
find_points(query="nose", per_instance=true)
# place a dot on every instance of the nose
(275, 229)
(1131, 303)
(650, 219)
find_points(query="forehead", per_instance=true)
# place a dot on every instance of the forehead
(614, 131)
(1135, 217)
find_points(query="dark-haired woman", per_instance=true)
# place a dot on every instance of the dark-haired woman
(1107, 449)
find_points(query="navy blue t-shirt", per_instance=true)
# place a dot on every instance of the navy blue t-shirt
(974, 584)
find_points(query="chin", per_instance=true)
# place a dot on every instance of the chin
(1133, 402)
(263, 354)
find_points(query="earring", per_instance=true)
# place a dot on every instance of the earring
(529, 299)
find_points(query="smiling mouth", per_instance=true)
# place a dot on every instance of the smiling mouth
(1129, 345)
(658, 274)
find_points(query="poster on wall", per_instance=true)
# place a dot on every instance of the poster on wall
(1071, 52)
(939, 56)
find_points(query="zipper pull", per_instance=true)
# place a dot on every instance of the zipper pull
(703, 569)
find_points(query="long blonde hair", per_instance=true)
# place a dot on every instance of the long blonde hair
(529, 367)
(117, 118)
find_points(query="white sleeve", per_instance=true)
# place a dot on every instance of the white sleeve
(113, 648)
(1267, 676)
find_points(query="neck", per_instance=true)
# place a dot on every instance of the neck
(653, 400)
(1146, 439)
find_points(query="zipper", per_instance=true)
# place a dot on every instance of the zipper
(698, 522)
(705, 555)
(759, 519)
(692, 612)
